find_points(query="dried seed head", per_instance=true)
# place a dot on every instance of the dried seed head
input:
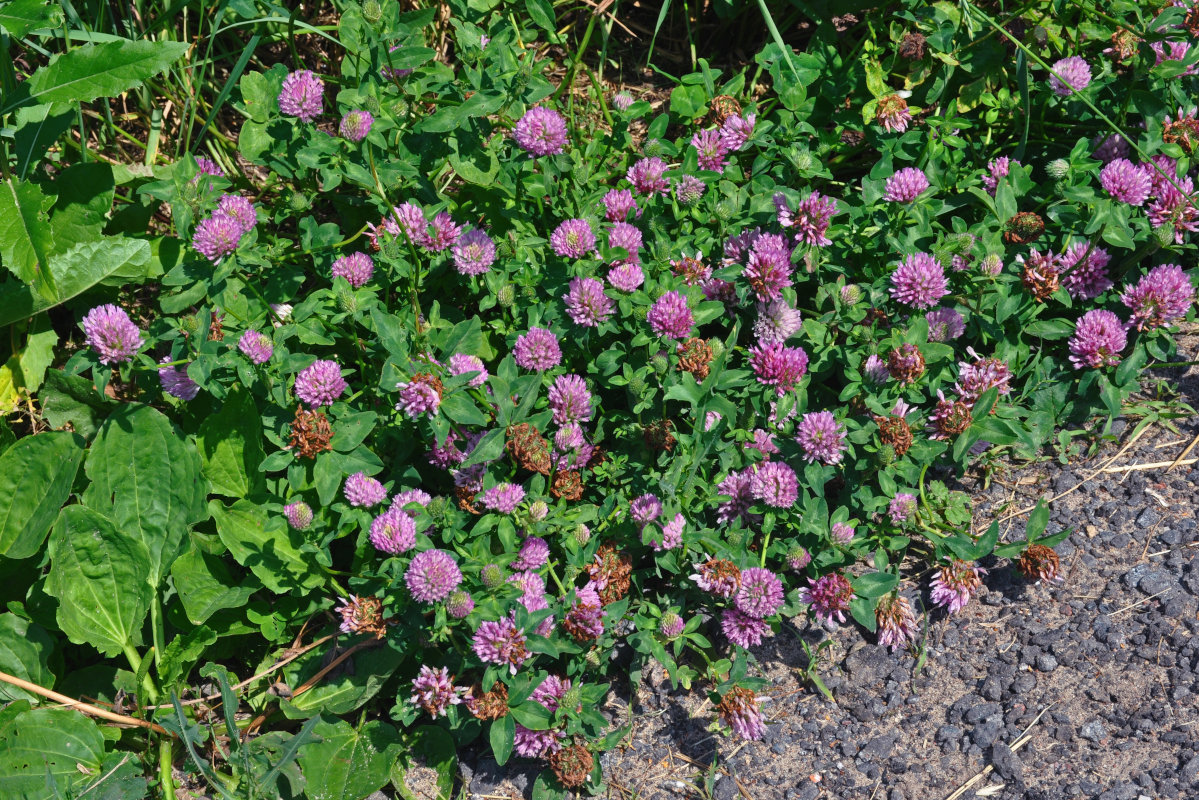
(722, 107)
(611, 568)
(913, 47)
(1039, 562)
(528, 448)
(694, 356)
(310, 433)
(572, 765)
(567, 485)
(658, 435)
(1024, 228)
(489, 705)
(895, 433)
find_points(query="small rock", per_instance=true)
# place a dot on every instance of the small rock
(1155, 582)
(1149, 517)
(1007, 764)
(981, 711)
(880, 746)
(1046, 663)
(1093, 731)
(1190, 772)
(987, 732)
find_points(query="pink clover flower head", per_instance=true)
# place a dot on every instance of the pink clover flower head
(569, 400)
(1173, 51)
(1083, 270)
(536, 744)
(573, 238)
(541, 131)
(896, 622)
(534, 553)
(828, 597)
(710, 149)
(944, 325)
(841, 533)
(919, 281)
(1073, 74)
(979, 375)
(1110, 148)
(418, 396)
(627, 237)
(298, 514)
(719, 578)
(798, 558)
(356, 268)
(569, 438)
(736, 130)
(901, 508)
(768, 269)
(672, 535)
(810, 219)
(618, 204)
(586, 616)
(738, 246)
(763, 442)
(355, 125)
(474, 253)
(240, 209)
(688, 189)
(302, 95)
(760, 594)
(671, 625)
(775, 484)
(622, 101)
(503, 497)
(998, 170)
(1098, 338)
(393, 531)
(778, 365)
(434, 691)
(821, 437)
(586, 303)
(320, 383)
(501, 642)
(411, 496)
(112, 334)
(217, 236)
(459, 604)
(442, 232)
(432, 576)
(905, 185)
(1159, 298)
(741, 629)
(206, 166)
(537, 350)
(363, 491)
(893, 114)
(1127, 182)
(670, 316)
(875, 370)
(447, 454)
(256, 346)
(409, 219)
(1175, 207)
(954, 584)
(174, 381)
(1166, 165)
(648, 176)
(645, 509)
(736, 487)
(626, 277)
(462, 363)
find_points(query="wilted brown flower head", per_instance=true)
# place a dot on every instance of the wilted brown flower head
(310, 433)
(722, 107)
(913, 47)
(1183, 132)
(528, 448)
(489, 705)
(658, 435)
(1124, 44)
(906, 363)
(1040, 277)
(430, 380)
(694, 356)
(1039, 562)
(896, 432)
(693, 271)
(567, 484)
(611, 569)
(363, 615)
(572, 764)
(1024, 228)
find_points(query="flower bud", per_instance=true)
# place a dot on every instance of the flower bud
(190, 324)
(372, 12)
(573, 698)
(438, 510)
(492, 576)
(460, 604)
(299, 515)
(798, 558)
(886, 456)
(637, 385)
(371, 105)
(1164, 234)
(660, 362)
(506, 296)
(670, 626)
(850, 294)
(801, 159)
(991, 265)
(717, 347)
(538, 511)
(652, 148)
(1058, 168)
(724, 210)
(347, 301)
(582, 535)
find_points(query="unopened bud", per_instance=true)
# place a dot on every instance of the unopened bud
(660, 362)
(582, 535)
(372, 12)
(850, 294)
(724, 210)
(1058, 168)
(652, 148)
(492, 576)
(347, 301)
(506, 296)
(1164, 234)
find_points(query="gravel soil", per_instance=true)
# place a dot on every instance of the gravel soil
(1084, 688)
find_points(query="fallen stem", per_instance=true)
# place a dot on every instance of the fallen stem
(79, 705)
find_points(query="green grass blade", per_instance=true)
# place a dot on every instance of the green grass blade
(227, 89)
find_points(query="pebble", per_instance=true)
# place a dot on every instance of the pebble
(1093, 731)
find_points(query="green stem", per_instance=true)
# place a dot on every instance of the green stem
(135, 663)
(157, 630)
(166, 757)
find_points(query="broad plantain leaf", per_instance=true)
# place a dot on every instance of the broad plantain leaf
(47, 744)
(266, 546)
(349, 763)
(101, 70)
(231, 446)
(25, 238)
(25, 650)
(205, 585)
(36, 475)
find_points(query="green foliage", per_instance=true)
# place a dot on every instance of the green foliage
(46, 752)
(36, 475)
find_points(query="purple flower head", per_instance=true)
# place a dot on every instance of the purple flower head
(1127, 182)
(710, 149)
(537, 350)
(671, 625)
(356, 268)
(736, 487)
(760, 594)
(1174, 207)
(763, 442)
(688, 189)
(503, 497)
(741, 629)
(459, 604)
(618, 204)
(534, 553)
(256, 346)
(474, 253)
(736, 130)
(875, 370)
(217, 236)
(828, 597)
(355, 125)
(774, 483)
(1110, 148)
(1173, 51)
(411, 496)
(363, 491)
(1072, 74)
(462, 363)
(737, 247)
(240, 209)
(798, 558)
(777, 321)
(501, 642)
(670, 316)
(810, 218)
(821, 437)
(299, 515)
(1159, 298)
(112, 334)
(672, 535)
(432, 576)
(998, 170)
(442, 232)
(626, 237)
(626, 277)
(585, 620)
(645, 509)
(893, 114)
(648, 176)
(393, 531)
(919, 281)
(302, 95)
(206, 166)
(768, 270)
(586, 303)
(896, 622)
(569, 437)
(622, 101)
(779, 366)
(174, 381)
(434, 691)
(954, 585)
(320, 383)
(573, 239)
(1098, 338)
(541, 132)
(421, 395)
(1084, 270)
(720, 578)
(979, 375)
(901, 508)
(569, 400)
(841, 533)
(944, 325)
(905, 185)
